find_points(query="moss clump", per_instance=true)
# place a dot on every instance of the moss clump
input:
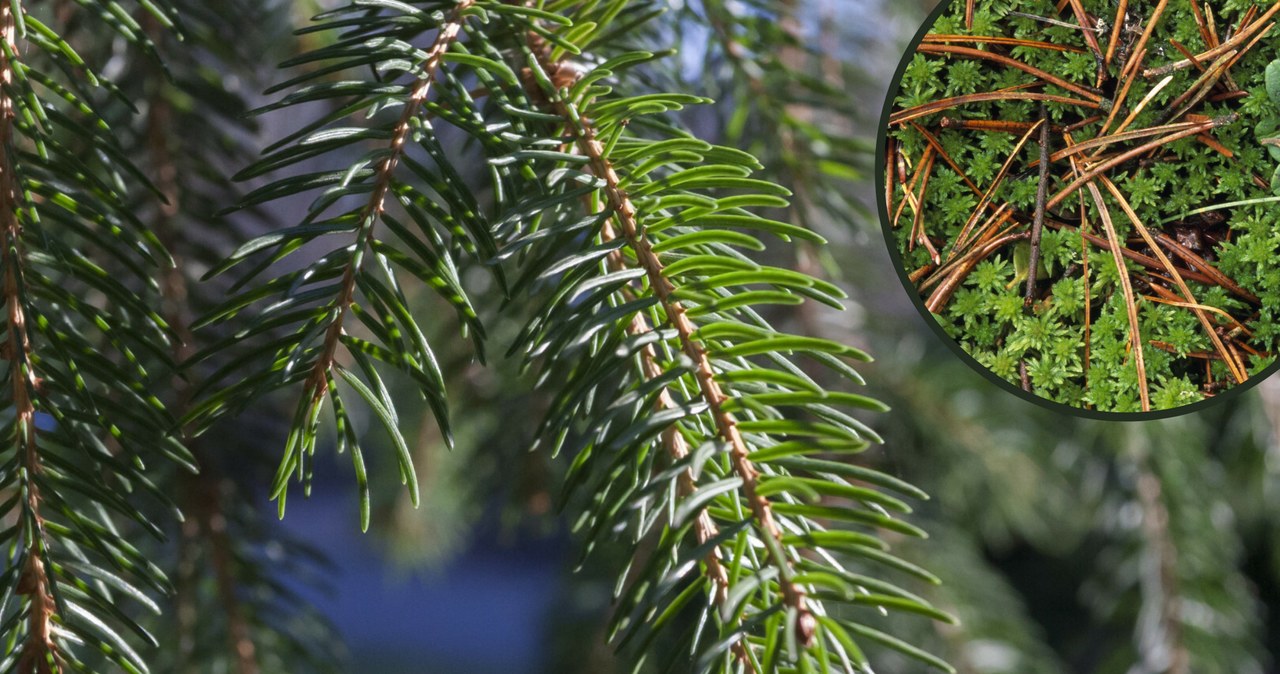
(1205, 297)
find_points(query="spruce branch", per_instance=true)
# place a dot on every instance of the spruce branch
(39, 653)
(363, 279)
(624, 211)
(318, 383)
(81, 335)
(651, 329)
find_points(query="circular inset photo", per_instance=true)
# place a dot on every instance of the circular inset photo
(1082, 195)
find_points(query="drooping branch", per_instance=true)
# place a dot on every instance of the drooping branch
(625, 214)
(318, 383)
(39, 653)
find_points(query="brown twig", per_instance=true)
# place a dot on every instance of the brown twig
(917, 225)
(1201, 25)
(1089, 38)
(942, 152)
(942, 295)
(998, 39)
(1139, 51)
(1100, 168)
(989, 230)
(1042, 192)
(995, 125)
(1130, 254)
(1086, 92)
(925, 109)
(890, 154)
(961, 238)
(909, 189)
(1241, 37)
(1177, 278)
(1116, 28)
(1126, 288)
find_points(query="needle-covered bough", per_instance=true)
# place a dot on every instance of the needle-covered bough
(722, 448)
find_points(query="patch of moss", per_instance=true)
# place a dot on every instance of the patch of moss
(1179, 190)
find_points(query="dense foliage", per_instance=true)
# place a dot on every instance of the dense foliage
(1062, 545)
(717, 444)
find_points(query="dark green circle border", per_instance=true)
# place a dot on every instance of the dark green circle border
(1228, 396)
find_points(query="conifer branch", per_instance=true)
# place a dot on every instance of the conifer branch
(39, 653)
(624, 210)
(318, 383)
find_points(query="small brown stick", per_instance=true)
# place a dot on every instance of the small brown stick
(1187, 53)
(1022, 375)
(1056, 22)
(1119, 100)
(890, 152)
(916, 275)
(1042, 193)
(1200, 264)
(1086, 92)
(1212, 25)
(909, 190)
(1084, 275)
(993, 39)
(937, 147)
(1116, 29)
(1244, 21)
(991, 190)
(1213, 32)
(938, 300)
(1199, 355)
(1177, 278)
(1142, 105)
(1104, 141)
(1228, 96)
(1201, 25)
(903, 116)
(968, 14)
(1144, 260)
(1236, 359)
(989, 230)
(1245, 50)
(1090, 38)
(1107, 165)
(1249, 349)
(1126, 288)
(1081, 124)
(1216, 146)
(1200, 88)
(1242, 36)
(917, 223)
(1171, 299)
(996, 125)
(624, 213)
(1139, 51)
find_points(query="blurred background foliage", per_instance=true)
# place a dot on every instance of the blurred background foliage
(1063, 545)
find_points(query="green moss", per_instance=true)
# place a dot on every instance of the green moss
(986, 313)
